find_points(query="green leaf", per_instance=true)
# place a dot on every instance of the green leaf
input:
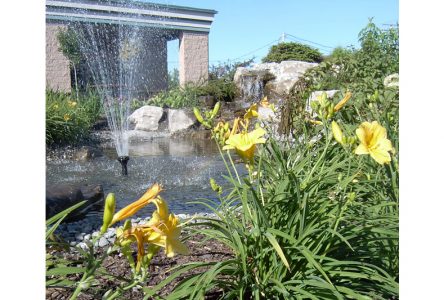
(64, 213)
(65, 271)
(278, 248)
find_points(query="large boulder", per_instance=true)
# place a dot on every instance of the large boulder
(146, 118)
(62, 196)
(277, 79)
(180, 119)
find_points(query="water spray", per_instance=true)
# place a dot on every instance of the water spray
(123, 160)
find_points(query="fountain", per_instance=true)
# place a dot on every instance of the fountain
(112, 53)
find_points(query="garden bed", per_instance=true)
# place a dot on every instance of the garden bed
(117, 265)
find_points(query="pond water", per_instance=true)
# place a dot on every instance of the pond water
(183, 167)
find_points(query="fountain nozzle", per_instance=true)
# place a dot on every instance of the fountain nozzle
(123, 160)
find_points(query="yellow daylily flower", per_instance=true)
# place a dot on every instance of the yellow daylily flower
(337, 133)
(341, 103)
(132, 208)
(72, 103)
(166, 233)
(251, 112)
(373, 138)
(245, 143)
(66, 117)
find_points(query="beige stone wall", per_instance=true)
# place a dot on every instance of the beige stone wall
(57, 65)
(193, 57)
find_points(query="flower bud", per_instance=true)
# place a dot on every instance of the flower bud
(217, 188)
(198, 115)
(215, 109)
(108, 212)
(337, 133)
(343, 101)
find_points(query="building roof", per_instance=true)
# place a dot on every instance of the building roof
(137, 13)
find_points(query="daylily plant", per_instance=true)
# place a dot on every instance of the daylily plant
(162, 230)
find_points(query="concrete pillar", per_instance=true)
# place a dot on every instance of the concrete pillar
(193, 57)
(58, 75)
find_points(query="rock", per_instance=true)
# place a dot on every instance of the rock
(62, 196)
(277, 79)
(146, 118)
(86, 153)
(266, 114)
(180, 119)
(103, 242)
(82, 246)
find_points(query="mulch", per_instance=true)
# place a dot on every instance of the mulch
(117, 265)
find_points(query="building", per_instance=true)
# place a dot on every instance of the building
(190, 25)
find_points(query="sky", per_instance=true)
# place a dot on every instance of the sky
(246, 29)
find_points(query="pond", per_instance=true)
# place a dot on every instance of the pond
(184, 168)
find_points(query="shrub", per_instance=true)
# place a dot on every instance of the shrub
(221, 89)
(292, 51)
(68, 120)
(178, 97)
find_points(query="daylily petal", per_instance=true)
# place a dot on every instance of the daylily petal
(381, 156)
(132, 208)
(174, 246)
(361, 149)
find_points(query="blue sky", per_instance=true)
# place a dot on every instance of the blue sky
(241, 27)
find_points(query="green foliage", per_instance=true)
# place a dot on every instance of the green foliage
(69, 120)
(178, 97)
(69, 45)
(173, 79)
(292, 51)
(363, 69)
(340, 53)
(57, 268)
(221, 89)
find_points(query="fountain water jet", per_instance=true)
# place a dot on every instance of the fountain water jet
(113, 53)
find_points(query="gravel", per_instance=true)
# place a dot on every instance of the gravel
(77, 233)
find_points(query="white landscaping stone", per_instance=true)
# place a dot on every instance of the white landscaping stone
(146, 118)
(180, 119)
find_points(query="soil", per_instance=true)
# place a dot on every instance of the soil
(117, 265)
